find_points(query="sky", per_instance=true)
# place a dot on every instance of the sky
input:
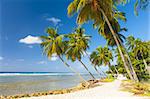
(23, 21)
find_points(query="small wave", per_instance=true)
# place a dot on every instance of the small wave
(37, 74)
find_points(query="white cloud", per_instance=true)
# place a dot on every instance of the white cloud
(42, 62)
(54, 57)
(31, 40)
(54, 20)
(1, 58)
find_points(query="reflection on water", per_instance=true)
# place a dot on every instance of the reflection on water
(11, 85)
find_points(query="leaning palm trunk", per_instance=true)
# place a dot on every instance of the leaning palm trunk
(146, 66)
(98, 72)
(109, 65)
(130, 63)
(86, 69)
(116, 70)
(132, 69)
(144, 61)
(115, 38)
(67, 65)
(94, 66)
(105, 75)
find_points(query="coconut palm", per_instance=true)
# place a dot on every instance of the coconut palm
(77, 45)
(79, 33)
(139, 66)
(106, 33)
(111, 42)
(102, 56)
(139, 4)
(101, 12)
(141, 50)
(130, 42)
(94, 65)
(53, 43)
(95, 61)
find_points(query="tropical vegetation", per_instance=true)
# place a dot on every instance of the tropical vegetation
(132, 55)
(54, 43)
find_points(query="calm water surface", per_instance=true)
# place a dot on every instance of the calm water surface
(21, 84)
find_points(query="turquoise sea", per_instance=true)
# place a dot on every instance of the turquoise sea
(30, 82)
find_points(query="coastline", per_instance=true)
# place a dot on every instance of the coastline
(110, 90)
(26, 84)
(80, 86)
(104, 89)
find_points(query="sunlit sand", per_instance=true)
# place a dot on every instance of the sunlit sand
(106, 91)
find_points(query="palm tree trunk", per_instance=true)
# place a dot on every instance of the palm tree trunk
(110, 68)
(132, 69)
(146, 66)
(144, 61)
(130, 63)
(115, 38)
(103, 72)
(67, 65)
(98, 72)
(94, 66)
(116, 70)
(86, 69)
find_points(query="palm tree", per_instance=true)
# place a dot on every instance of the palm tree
(102, 56)
(139, 48)
(53, 43)
(139, 67)
(106, 33)
(95, 61)
(111, 42)
(80, 31)
(100, 11)
(130, 42)
(142, 4)
(77, 45)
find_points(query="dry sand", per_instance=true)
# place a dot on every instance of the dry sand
(106, 91)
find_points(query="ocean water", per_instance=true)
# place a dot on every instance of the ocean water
(22, 83)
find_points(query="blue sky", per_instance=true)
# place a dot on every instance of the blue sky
(22, 21)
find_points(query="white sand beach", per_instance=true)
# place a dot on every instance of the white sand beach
(106, 91)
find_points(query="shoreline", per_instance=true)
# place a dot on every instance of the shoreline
(80, 86)
(109, 90)
(103, 88)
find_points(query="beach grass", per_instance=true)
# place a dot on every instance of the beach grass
(138, 88)
(110, 78)
(107, 80)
